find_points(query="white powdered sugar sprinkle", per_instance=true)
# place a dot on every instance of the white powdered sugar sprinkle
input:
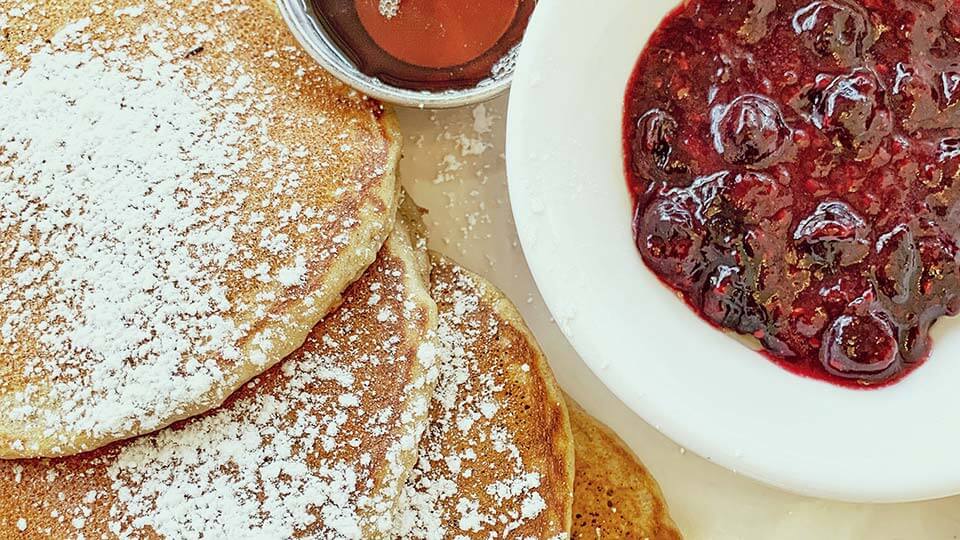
(155, 198)
(241, 473)
(108, 167)
(468, 399)
(317, 447)
(282, 459)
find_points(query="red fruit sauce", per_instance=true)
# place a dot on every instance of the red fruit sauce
(795, 166)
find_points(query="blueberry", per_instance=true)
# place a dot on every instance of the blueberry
(948, 156)
(707, 193)
(713, 208)
(915, 341)
(833, 234)
(735, 208)
(750, 131)
(948, 149)
(860, 346)
(898, 266)
(835, 28)
(851, 111)
(913, 96)
(728, 300)
(670, 239)
(653, 144)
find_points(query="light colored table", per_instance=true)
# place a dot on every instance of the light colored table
(454, 166)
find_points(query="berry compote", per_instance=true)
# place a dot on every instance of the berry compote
(795, 166)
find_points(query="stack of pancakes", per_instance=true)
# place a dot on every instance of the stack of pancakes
(218, 319)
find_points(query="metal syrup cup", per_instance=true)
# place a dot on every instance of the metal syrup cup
(316, 40)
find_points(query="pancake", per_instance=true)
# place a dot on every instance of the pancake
(614, 494)
(183, 196)
(317, 447)
(497, 459)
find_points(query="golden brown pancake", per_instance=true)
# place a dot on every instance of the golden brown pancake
(183, 196)
(614, 494)
(317, 447)
(497, 459)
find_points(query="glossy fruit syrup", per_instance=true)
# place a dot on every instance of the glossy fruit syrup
(796, 172)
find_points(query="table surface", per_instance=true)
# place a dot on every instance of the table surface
(454, 166)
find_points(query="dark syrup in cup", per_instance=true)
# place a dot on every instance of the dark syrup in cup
(431, 45)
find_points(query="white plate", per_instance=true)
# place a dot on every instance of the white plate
(701, 388)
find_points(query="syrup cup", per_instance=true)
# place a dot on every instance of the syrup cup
(318, 42)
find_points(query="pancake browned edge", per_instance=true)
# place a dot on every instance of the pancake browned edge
(614, 494)
(497, 459)
(184, 194)
(317, 447)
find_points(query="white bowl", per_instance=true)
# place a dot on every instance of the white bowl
(700, 387)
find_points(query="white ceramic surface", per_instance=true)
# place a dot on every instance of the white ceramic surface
(699, 387)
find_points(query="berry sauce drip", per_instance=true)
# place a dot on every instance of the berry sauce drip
(430, 45)
(796, 172)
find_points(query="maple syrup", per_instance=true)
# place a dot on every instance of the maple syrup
(430, 45)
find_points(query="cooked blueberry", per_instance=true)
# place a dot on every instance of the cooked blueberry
(670, 240)
(707, 193)
(898, 264)
(837, 290)
(715, 209)
(734, 208)
(653, 143)
(833, 234)
(728, 301)
(800, 333)
(750, 131)
(756, 25)
(748, 18)
(834, 28)
(859, 346)
(948, 149)
(851, 111)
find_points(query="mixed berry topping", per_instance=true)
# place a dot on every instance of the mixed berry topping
(796, 172)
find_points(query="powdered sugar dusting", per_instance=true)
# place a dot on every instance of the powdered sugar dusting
(318, 446)
(471, 480)
(280, 461)
(98, 197)
(147, 218)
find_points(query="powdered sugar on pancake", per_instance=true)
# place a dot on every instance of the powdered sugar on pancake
(471, 480)
(317, 447)
(111, 165)
(152, 213)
